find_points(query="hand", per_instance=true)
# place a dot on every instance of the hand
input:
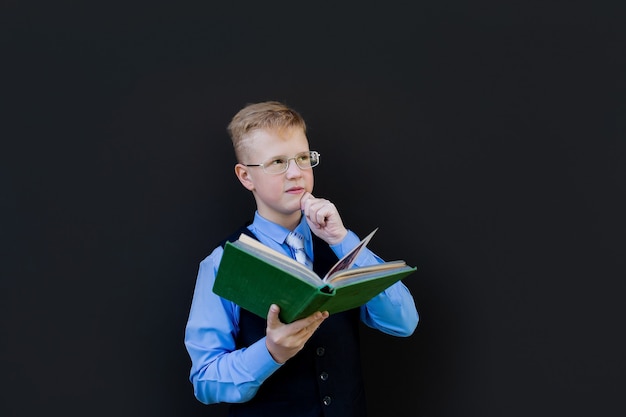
(323, 219)
(283, 341)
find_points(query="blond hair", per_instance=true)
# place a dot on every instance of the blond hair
(264, 115)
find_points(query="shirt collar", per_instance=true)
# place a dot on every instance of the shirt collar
(279, 233)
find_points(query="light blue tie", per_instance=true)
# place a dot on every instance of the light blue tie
(296, 242)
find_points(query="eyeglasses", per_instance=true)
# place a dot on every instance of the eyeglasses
(280, 164)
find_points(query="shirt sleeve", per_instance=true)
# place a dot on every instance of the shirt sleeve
(219, 371)
(393, 311)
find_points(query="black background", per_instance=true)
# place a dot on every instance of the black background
(486, 140)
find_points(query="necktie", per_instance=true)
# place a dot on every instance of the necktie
(296, 242)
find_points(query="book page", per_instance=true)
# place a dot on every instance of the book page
(348, 260)
(268, 253)
(364, 271)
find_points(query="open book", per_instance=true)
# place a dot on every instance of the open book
(255, 276)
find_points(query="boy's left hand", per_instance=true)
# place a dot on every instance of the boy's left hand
(323, 219)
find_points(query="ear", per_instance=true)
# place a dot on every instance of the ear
(243, 175)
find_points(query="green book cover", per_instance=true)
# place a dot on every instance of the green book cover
(254, 276)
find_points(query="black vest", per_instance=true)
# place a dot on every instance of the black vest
(322, 380)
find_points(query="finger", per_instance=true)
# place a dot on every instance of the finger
(317, 210)
(307, 331)
(309, 203)
(325, 211)
(314, 320)
(303, 201)
(312, 327)
(301, 324)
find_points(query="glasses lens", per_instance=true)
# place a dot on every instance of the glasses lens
(276, 165)
(306, 160)
(303, 160)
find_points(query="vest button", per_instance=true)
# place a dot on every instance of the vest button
(324, 376)
(320, 351)
(326, 400)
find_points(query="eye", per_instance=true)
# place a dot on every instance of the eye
(304, 158)
(277, 160)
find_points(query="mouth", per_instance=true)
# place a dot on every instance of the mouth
(294, 190)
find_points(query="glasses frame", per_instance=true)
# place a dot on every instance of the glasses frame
(312, 155)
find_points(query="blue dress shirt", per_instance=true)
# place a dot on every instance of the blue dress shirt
(219, 372)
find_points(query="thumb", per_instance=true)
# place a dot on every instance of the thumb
(272, 316)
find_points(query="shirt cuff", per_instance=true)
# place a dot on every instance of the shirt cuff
(260, 360)
(349, 242)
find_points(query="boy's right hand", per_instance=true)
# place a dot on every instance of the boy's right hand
(323, 219)
(283, 341)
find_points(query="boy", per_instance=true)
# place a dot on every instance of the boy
(263, 367)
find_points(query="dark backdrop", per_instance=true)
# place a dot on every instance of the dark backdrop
(484, 139)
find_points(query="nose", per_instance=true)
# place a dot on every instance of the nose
(293, 169)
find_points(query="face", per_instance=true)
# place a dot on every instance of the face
(277, 195)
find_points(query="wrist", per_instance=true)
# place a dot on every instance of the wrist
(338, 238)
